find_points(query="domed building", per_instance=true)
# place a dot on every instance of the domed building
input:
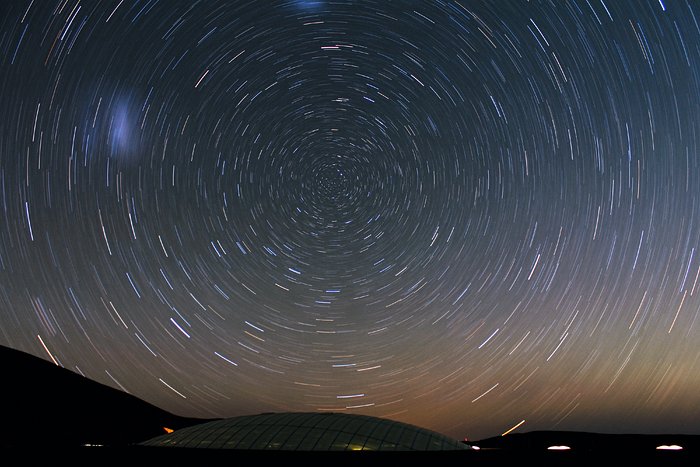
(307, 432)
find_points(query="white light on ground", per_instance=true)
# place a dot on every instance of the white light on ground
(672, 447)
(558, 448)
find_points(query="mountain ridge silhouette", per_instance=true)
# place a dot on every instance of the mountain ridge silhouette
(46, 404)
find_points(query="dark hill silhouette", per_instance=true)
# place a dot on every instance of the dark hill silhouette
(539, 441)
(45, 404)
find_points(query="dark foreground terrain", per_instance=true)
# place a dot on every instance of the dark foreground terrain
(136, 455)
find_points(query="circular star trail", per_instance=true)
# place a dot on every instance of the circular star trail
(456, 214)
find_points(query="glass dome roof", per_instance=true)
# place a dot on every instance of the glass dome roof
(307, 432)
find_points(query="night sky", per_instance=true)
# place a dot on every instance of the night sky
(460, 215)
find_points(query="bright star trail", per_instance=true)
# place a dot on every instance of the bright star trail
(461, 215)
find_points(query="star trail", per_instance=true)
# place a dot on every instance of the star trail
(462, 215)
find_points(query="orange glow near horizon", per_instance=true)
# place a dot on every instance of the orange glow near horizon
(168, 430)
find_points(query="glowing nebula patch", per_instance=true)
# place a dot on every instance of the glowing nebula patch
(120, 128)
(123, 132)
(308, 5)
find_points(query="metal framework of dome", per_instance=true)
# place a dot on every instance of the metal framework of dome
(307, 432)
